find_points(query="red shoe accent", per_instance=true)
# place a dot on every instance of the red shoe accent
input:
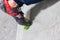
(8, 9)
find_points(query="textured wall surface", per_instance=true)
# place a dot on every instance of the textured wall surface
(8, 27)
(46, 22)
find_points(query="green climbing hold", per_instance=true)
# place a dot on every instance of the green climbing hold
(26, 27)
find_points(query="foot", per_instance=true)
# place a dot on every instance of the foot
(22, 20)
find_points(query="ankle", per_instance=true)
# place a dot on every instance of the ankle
(12, 3)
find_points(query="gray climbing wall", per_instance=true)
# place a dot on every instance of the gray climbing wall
(46, 22)
(8, 27)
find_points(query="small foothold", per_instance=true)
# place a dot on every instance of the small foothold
(26, 27)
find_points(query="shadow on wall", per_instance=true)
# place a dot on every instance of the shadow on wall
(40, 6)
